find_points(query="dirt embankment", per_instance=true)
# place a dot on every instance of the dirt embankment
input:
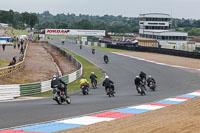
(39, 65)
(180, 118)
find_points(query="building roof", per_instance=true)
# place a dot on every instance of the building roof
(155, 15)
(166, 33)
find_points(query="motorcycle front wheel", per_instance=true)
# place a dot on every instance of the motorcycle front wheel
(68, 100)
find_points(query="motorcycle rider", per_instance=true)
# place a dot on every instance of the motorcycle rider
(84, 80)
(142, 76)
(81, 46)
(105, 57)
(93, 78)
(107, 83)
(93, 50)
(138, 82)
(57, 82)
(150, 79)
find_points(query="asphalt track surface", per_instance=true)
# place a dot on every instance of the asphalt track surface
(122, 70)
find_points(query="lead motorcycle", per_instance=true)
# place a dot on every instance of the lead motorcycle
(141, 89)
(59, 96)
(85, 89)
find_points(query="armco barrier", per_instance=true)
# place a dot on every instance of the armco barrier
(104, 45)
(29, 89)
(9, 91)
(158, 50)
(12, 91)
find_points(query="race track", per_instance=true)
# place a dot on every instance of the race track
(122, 70)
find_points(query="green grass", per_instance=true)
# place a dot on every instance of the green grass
(75, 86)
(12, 31)
(4, 63)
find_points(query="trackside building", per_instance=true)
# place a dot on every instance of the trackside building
(158, 26)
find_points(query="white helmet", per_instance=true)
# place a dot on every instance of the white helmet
(149, 76)
(54, 76)
(137, 76)
(92, 72)
(106, 77)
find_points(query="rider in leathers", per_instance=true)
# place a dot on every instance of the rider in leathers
(57, 82)
(107, 83)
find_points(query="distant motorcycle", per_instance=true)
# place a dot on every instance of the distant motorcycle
(93, 51)
(110, 91)
(152, 86)
(63, 42)
(81, 46)
(85, 89)
(60, 97)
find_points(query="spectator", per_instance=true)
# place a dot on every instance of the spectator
(22, 50)
(13, 62)
(22, 42)
(18, 45)
(3, 46)
(14, 45)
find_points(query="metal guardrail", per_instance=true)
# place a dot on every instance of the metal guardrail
(12, 91)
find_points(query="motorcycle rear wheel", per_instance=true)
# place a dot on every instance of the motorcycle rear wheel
(68, 100)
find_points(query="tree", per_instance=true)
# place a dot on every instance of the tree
(85, 24)
(62, 25)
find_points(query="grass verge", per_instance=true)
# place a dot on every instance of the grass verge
(14, 32)
(75, 86)
(4, 63)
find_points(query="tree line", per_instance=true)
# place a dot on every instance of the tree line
(117, 24)
(110, 23)
(18, 20)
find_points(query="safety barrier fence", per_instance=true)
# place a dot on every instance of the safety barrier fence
(6, 71)
(97, 44)
(17, 90)
(158, 50)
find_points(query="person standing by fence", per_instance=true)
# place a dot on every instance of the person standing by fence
(22, 50)
(3, 46)
(14, 45)
(18, 45)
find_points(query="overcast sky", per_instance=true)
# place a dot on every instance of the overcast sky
(128, 8)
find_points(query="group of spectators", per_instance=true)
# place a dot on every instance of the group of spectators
(22, 46)
(123, 42)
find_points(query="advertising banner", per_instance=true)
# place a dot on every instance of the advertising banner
(75, 32)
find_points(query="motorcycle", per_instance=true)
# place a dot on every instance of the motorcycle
(141, 89)
(93, 51)
(85, 89)
(94, 84)
(106, 61)
(59, 96)
(81, 46)
(63, 42)
(110, 91)
(152, 86)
